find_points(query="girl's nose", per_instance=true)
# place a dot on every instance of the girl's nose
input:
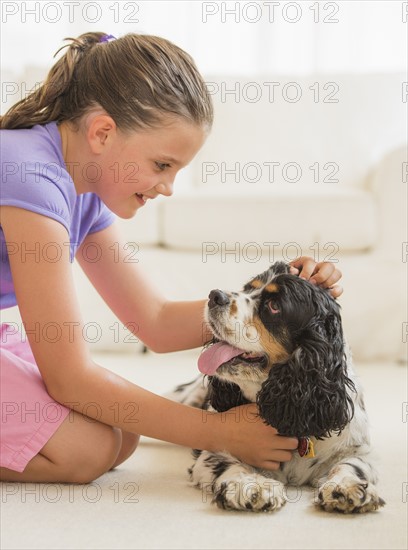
(165, 188)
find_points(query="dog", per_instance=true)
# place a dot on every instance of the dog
(279, 343)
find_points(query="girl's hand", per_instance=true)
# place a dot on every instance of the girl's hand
(322, 274)
(245, 435)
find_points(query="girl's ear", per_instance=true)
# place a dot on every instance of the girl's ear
(223, 395)
(101, 127)
(308, 395)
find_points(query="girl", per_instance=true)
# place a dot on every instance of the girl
(108, 131)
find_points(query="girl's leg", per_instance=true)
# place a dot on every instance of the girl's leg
(80, 451)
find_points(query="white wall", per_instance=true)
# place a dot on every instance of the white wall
(224, 37)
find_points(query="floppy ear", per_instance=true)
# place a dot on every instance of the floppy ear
(307, 396)
(224, 395)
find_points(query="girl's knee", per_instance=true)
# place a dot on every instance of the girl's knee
(99, 456)
(130, 441)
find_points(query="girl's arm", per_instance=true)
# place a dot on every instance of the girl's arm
(163, 325)
(51, 315)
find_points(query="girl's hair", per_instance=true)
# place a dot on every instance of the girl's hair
(137, 79)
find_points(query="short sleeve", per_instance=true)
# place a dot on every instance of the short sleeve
(105, 219)
(34, 191)
(33, 173)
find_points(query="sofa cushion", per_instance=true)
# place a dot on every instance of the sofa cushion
(290, 218)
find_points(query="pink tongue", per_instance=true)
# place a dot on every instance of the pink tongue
(215, 356)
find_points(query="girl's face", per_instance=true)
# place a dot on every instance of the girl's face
(140, 166)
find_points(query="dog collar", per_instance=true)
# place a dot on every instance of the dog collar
(305, 447)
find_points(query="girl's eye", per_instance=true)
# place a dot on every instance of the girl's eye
(162, 166)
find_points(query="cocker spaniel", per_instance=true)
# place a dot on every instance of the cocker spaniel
(279, 343)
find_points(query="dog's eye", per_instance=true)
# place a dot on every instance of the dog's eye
(273, 307)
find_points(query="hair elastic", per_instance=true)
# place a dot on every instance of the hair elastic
(107, 38)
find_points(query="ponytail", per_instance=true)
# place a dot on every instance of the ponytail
(46, 104)
(136, 79)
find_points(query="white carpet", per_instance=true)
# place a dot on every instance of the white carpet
(147, 503)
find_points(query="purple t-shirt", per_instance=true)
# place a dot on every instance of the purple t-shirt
(34, 177)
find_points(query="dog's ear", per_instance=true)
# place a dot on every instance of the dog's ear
(224, 395)
(308, 395)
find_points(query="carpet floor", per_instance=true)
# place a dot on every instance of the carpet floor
(147, 503)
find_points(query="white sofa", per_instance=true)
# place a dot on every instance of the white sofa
(319, 168)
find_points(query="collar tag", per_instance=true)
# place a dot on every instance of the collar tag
(305, 447)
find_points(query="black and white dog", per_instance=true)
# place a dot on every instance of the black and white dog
(279, 343)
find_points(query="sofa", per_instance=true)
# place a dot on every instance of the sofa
(313, 166)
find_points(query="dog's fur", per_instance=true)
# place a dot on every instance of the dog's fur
(299, 372)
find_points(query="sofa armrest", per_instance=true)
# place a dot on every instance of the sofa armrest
(388, 182)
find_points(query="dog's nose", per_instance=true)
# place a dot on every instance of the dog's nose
(217, 298)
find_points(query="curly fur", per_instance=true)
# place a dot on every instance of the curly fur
(223, 396)
(308, 394)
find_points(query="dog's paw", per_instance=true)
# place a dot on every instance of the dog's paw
(250, 494)
(349, 496)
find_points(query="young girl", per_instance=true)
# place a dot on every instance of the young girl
(107, 132)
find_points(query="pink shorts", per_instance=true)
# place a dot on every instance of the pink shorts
(29, 417)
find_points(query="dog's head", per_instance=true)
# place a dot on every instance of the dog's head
(279, 342)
